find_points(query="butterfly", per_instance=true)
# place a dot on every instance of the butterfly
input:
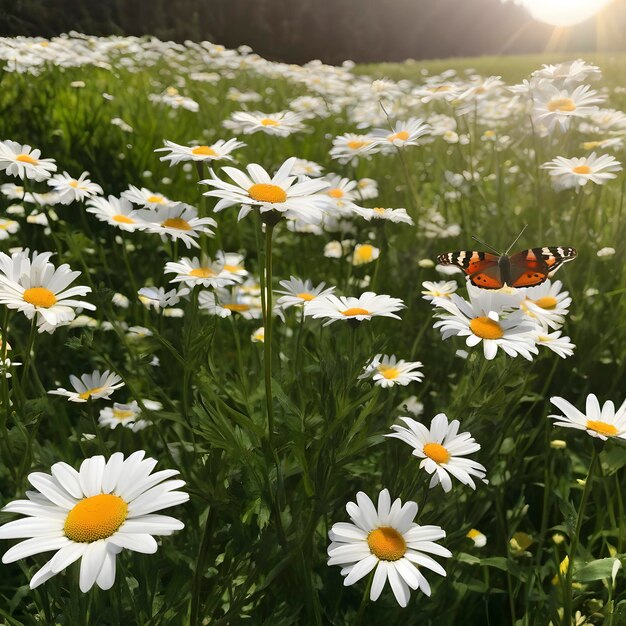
(522, 269)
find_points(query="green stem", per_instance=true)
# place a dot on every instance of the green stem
(29, 349)
(567, 598)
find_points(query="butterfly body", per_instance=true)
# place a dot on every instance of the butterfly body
(524, 269)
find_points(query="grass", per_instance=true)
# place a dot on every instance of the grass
(254, 545)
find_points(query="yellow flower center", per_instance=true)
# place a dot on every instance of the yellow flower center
(335, 193)
(39, 296)
(204, 151)
(436, 452)
(156, 199)
(356, 144)
(202, 272)
(233, 268)
(390, 373)
(237, 308)
(581, 169)
(591, 145)
(379, 211)
(386, 543)
(25, 158)
(262, 192)
(547, 302)
(364, 253)
(403, 135)
(561, 104)
(608, 430)
(73, 183)
(94, 518)
(307, 297)
(176, 222)
(440, 88)
(473, 533)
(266, 121)
(122, 414)
(123, 219)
(486, 328)
(354, 312)
(90, 392)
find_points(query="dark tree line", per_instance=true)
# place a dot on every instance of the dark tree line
(331, 30)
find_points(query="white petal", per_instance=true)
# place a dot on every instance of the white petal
(92, 562)
(34, 546)
(106, 578)
(379, 580)
(135, 541)
(362, 568)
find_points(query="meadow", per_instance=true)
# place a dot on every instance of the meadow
(273, 401)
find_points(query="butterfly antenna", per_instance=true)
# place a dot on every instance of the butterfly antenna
(517, 238)
(482, 243)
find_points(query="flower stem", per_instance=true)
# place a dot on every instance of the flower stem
(567, 598)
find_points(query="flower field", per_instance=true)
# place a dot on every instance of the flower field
(255, 366)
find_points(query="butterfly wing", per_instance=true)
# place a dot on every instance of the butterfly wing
(534, 266)
(481, 267)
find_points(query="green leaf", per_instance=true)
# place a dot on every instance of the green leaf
(594, 570)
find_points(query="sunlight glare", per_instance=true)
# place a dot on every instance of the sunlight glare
(564, 12)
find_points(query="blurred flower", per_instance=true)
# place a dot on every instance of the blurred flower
(579, 171)
(364, 253)
(480, 540)
(74, 189)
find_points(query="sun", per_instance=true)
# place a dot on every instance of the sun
(564, 12)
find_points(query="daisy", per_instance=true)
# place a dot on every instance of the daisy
(280, 194)
(158, 298)
(233, 262)
(215, 152)
(513, 334)
(579, 171)
(387, 371)
(602, 422)
(25, 162)
(282, 123)
(560, 345)
(396, 216)
(350, 147)
(568, 72)
(298, 292)
(479, 539)
(442, 449)
(554, 106)
(386, 539)
(302, 167)
(36, 288)
(118, 212)
(144, 197)
(365, 307)
(403, 134)
(92, 386)
(8, 227)
(364, 253)
(224, 303)
(203, 272)
(126, 415)
(438, 289)
(368, 188)
(258, 336)
(177, 221)
(93, 514)
(546, 304)
(341, 194)
(74, 189)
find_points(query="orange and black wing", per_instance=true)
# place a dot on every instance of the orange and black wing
(533, 267)
(481, 267)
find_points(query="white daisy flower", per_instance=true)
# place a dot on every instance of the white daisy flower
(223, 303)
(258, 336)
(8, 228)
(118, 212)
(546, 304)
(387, 371)
(513, 334)
(577, 172)
(442, 450)
(568, 72)
(24, 162)
(602, 422)
(158, 298)
(479, 539)
(560, 345)
(364, 307)
(203, 272)
(233, 262)
(177, 221)
(280, 193)
(364, 253)
(126, 415)
(74, 189)
(92, 386)
(35, 287)
(282, 123)
(341, 194)
(368, 188)
(350, 147)
(302, 167)
(298, 292)
(438, 289)
(397, 216)
(145, 198)
(554, 106)
(386, 539)
(93, 514)
(403, 134)
(219, 150)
